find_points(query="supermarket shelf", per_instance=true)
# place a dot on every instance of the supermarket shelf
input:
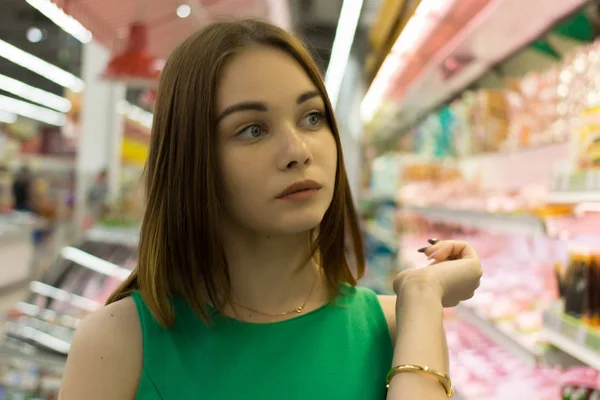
(382, 235)
(530, 225)
(574, 197)
(581, 352)
(521, 346)
(31, 354)
(125, 236)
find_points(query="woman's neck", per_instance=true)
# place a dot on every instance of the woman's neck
(273, 275)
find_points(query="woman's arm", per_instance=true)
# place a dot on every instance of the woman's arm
(419, 333)
(105, 361)
(419, 338)
(388, 304)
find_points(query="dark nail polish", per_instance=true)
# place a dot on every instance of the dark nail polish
(423, 250)
(433, 241)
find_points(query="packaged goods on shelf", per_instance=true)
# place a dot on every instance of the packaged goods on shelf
(483, 370)
(490, 118)
(533, 103)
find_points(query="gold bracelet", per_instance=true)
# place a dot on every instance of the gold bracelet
(443, 378)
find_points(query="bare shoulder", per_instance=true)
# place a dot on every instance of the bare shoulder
(388, 305)
(106, 357)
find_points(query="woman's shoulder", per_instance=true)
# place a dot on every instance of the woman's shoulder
(106, 356)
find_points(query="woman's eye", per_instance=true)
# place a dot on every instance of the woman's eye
(253, 131)
(313, 120)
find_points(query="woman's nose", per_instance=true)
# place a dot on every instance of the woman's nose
(295, 151)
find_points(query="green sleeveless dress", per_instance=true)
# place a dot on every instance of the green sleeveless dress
(341, 351)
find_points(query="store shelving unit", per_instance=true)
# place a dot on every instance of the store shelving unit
(588, 356)
(111, 235)
(39, 329)
(574, 197)
(516, 224)
(390, 239)
(522, 346)
(17, 249)
(571, 336)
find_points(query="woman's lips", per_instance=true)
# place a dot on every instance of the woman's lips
(301, 190)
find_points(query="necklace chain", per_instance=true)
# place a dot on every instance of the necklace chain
(296, 310)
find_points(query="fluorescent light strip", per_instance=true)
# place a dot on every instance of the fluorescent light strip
(41, 67)
(62, 20)
(94, 263)
(64, 296)
(7, 117)
(422, 22)
(32, 111)
(135, 113)
(34, 94)
(374, 97)
(342, 44)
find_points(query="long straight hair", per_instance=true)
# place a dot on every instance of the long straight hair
(180, 247)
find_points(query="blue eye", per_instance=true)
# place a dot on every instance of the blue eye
(313, 120)
(253, 131)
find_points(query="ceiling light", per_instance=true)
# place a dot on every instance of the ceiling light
(342, 44)
(34, 94)
(62, 20)
(32, 111)
(41, 67)
(34, 35)
(7, 117)
(94, 263)
(184, 11)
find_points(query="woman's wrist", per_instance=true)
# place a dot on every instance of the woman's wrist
(410, 286)
(418, 305)
(418, 294)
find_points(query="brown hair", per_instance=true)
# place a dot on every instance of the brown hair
(180, 252)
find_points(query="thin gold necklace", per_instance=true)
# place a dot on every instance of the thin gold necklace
(296, 310)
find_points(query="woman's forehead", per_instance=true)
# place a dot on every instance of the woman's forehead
(262, 74)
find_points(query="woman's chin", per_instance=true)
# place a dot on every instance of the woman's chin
(299, 223)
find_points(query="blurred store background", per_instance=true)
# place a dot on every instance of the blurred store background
(470, 119)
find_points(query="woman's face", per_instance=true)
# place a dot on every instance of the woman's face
(273, 133)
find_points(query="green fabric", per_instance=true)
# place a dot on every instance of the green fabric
(341, 351)
(546, 48)
(578, 27)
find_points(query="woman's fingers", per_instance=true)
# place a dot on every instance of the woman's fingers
(449, 250)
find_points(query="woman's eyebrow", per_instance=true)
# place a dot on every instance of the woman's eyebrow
(307, 96)
(246, 106)
(259, 106)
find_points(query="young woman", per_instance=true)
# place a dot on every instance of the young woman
(243, 289)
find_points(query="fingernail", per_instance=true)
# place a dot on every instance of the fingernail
(432, 255)
(433, 241)
(423, 250)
